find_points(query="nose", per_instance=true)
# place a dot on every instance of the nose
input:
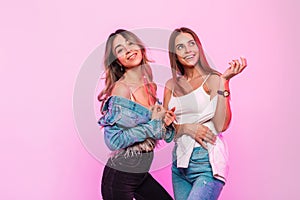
(127, 49)
(187, 49)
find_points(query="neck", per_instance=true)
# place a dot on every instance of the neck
(134, 75)
(192, 73)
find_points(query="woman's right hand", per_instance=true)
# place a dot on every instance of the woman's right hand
(158, 111)
(203, 134)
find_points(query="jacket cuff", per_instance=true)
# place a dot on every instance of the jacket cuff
(161, 131)
(169, 133)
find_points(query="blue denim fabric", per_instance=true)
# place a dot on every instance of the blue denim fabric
(195, 182)
(126, 122)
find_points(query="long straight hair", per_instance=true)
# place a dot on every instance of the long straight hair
(114, 70)
(176, 66)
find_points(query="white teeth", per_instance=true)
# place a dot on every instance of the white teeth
(131, 56)
(189, 57)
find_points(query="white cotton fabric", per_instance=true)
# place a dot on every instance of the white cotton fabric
(196, 107)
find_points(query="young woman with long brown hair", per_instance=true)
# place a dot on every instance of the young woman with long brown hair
(132, 119)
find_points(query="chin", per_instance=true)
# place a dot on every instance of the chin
(190, 64)
(134, 64)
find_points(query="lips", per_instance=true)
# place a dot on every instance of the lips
(131, 56)
(189, 57)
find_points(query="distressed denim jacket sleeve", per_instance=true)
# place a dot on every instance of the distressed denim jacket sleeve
(126, 123)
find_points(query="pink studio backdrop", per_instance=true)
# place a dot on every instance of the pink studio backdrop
(44, 44)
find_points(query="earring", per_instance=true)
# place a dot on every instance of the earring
(120, 65)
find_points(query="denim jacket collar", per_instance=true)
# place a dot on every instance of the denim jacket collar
(126, 103)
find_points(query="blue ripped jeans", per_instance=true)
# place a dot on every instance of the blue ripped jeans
(195, 182)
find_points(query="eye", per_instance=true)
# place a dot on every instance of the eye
(120, 50)
(179, 47)
(192, 43)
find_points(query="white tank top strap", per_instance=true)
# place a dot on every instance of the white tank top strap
(172, 91)
(205, 79)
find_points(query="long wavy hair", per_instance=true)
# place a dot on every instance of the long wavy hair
(176, 66)
(114, 70)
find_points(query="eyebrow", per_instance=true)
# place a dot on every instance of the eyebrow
(187, 42)
(119, 45)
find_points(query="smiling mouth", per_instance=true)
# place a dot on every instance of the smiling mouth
(131, 56)
(189, 57)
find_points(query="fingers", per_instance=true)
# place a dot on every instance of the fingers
(206, 135)
(170, 116)
(239, 66)
(203, 144)
(157, 108)
(244, 63)
(235, 68)
(168, 119)
(158, 112)
(209, 137)
(173, 109)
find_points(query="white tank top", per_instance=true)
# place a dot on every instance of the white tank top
(195, 107)
(191, 105)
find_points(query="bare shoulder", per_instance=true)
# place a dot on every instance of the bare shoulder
(213, 81)
(121, 89)
(169, 84)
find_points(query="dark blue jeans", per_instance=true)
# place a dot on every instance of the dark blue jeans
(128, 178)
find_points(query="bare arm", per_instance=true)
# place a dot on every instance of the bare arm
(223, 113)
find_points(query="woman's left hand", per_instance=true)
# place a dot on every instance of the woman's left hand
(235, 68)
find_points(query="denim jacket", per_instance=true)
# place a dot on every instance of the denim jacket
(126, 123)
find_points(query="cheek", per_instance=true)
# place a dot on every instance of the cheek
(140, 55)
(179, 54)
(195, 49)
(138, 58)
(122, 60)
(179, 58)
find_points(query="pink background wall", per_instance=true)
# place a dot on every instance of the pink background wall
(44, 44)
